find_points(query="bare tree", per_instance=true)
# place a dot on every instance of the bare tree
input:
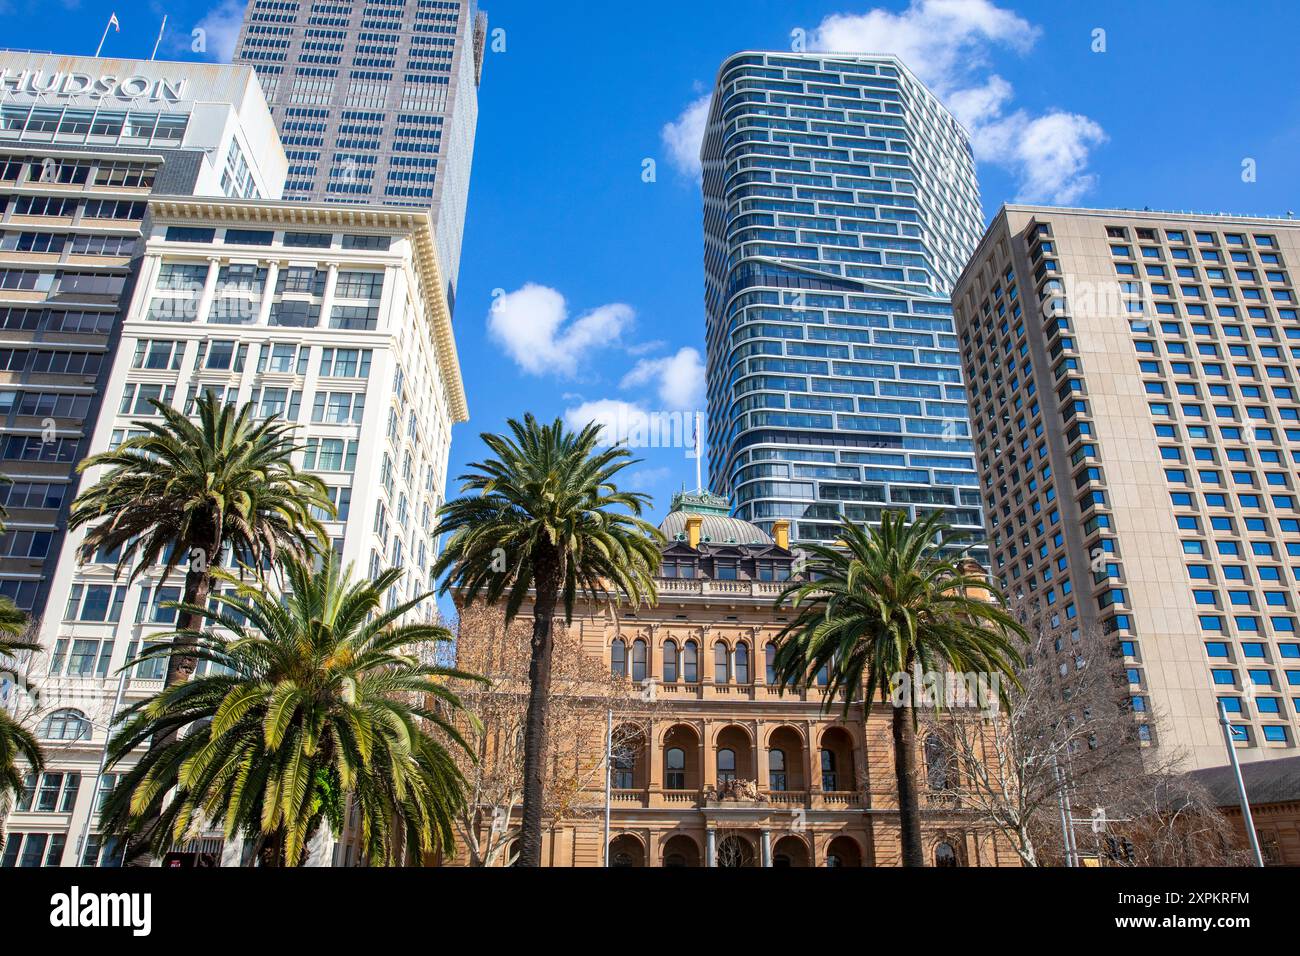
(583, 693)
(1069, 733)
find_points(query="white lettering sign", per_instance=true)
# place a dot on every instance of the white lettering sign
(83, 84)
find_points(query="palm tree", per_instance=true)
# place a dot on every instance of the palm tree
(548, 519)
(881, 601)
(182, 491)
(15, 740)
(13, 622)
(315, 696)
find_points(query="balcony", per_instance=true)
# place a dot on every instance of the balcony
(787, 798)
(753, 589)
(678, 798)
(837, 799)
(778, 799)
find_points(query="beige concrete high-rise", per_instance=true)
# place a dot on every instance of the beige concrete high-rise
(1133, 390)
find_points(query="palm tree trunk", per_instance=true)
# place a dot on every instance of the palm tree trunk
(909, 811)
(271, 852)
(535, 729)
(198, 585)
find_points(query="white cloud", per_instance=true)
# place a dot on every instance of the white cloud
(533, 325)
(939, 40)
(644, 478)
(221, 29)
(684, 137)
(618, 420)
(1051, 152)
(633, 424)
(948, 43)
(678, 379)
(976, 105)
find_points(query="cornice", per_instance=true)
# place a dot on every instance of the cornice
(415, 222)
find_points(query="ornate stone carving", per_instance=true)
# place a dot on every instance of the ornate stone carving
(741, 790)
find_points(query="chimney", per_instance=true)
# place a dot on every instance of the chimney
(781, 532)
(694, 524)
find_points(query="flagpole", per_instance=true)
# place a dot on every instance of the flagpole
(103, 38)
(159, 40)
(699, 454)
(112, 22)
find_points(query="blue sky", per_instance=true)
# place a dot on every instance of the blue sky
(598, 274)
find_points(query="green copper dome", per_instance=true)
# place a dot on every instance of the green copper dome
(717, 528)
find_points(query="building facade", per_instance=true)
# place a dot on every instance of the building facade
(376, 101)
(331, 317)
(725, 768)
(840, 204)
(1134, 398)
(84, 141)
(1273, 788)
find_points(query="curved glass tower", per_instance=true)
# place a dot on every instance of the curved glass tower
(840, 205)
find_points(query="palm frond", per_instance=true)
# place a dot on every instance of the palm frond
(325, 699)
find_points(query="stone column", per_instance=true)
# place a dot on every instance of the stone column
(811, 763)
(654, 752)
(711, 847)
(327, 297)
(767, 847)
(209, 290)
(708, 757)
(268, 294)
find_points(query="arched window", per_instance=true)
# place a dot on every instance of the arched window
(726, 765)
(769, 652)
(829, 778)
(776, 765)
(675, 764)
(624, 768)
(618, 658)
(690, 663)
(823, 676)
(638, 660)
(742, 663)
(945, 855)
(66, 724)
(719, 663)
(670, 662)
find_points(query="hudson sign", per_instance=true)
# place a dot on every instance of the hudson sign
(107, 86)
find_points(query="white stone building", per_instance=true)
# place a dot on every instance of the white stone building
(332, 316)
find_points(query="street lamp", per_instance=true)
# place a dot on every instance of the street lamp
(1246, 816)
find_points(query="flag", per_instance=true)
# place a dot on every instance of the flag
(112, 22)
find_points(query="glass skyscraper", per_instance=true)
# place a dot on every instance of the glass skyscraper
(84, 142)
(840, 205)
(376, 102)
